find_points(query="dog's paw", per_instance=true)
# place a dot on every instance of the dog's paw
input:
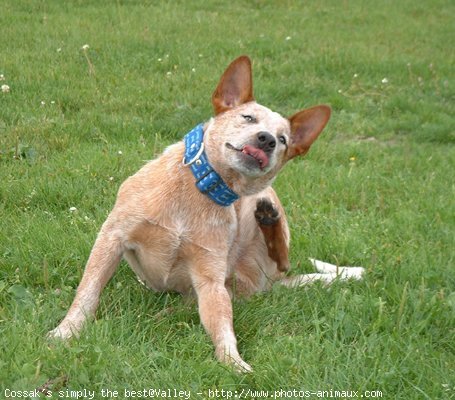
(242, 367)
(61, 333)
(266, 213)
(229, 356)
(238, 365)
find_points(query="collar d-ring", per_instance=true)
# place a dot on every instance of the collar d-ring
(196, 156)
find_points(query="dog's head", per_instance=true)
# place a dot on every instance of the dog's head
(247, 143)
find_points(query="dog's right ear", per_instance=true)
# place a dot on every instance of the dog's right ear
(235, 86)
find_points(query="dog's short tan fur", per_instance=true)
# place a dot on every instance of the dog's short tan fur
(177, 239)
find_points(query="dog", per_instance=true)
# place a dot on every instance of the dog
(203, 217)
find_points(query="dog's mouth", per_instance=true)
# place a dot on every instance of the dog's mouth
(253, 153)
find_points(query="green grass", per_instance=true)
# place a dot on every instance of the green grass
(376, 190)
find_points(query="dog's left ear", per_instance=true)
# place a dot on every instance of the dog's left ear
(235, 86)
(306, 126)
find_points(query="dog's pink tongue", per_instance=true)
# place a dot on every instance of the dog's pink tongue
(258, 154)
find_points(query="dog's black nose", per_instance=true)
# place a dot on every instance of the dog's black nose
(266, 141)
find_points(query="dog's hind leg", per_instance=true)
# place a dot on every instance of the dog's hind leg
(274, 228)
(307, 279)
(104, 259)
(327, 274)
(343, 272)
(215, 307)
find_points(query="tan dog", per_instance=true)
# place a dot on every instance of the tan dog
(177, 238)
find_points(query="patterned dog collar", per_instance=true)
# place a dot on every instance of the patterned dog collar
(207, 179)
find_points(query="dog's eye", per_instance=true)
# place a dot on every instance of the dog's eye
(282, 139)
(249, 118)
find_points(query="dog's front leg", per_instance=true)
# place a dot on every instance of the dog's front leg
(101, 265)
(215, 308)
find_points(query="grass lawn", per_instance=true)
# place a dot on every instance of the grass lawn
(376, 190)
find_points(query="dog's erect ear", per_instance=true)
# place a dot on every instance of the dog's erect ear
(306, 126)
(235, 86)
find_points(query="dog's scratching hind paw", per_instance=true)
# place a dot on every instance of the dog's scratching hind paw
(266, 213)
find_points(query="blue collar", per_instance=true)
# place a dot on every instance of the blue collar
(207, 179)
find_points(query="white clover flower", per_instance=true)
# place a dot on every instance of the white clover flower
(160, 59)
(85, 47)
(193, 69)
(120, 152)
(73, 209)
(288, 38)
(168, 73)
(59, 50)
(355, 75)
(43, 103)
(385, 80)
(52, 102)
(2, 77)
(111, 178)
(5, 88)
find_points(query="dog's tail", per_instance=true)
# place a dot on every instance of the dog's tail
(327, 273)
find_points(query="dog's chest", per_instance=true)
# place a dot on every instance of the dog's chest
(164, 254)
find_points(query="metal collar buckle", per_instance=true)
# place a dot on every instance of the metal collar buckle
(195, 158)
